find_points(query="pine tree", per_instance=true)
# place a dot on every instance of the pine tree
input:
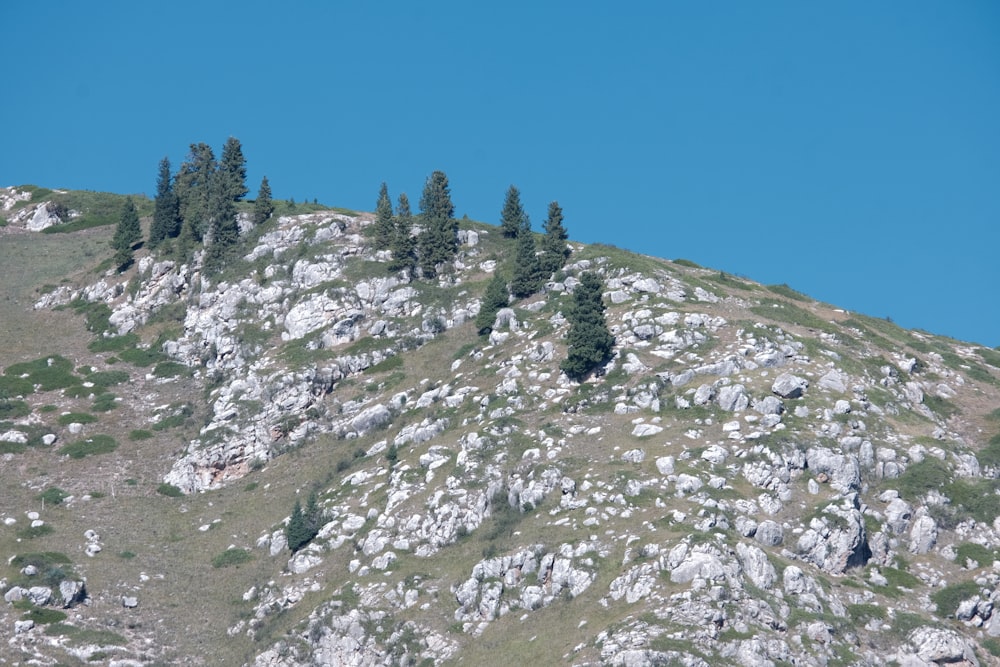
(233, 170)
(193, 186)
(383, 228)
(225, 230)
(403, 246)
(166, 216)
(590, 341)
(512, 217)
(438, 242)
(494, 299)
(555, 252)
(303, 525)
(263, 207)
(526, 277)
(127, 234)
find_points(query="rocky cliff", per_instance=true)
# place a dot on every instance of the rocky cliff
(754, 479)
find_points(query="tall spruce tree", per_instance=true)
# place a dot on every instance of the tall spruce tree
(233, 170)
(263, 207)
(494, 299)
(225, 230)
(590, 341)
(383, 228)
(555, 252)
(438, 242)
(193, 187)
(127, 234)
(166, 216)
(512, 217)
(403, 245)
(526, 275)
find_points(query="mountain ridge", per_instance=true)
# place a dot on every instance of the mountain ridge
(740, 449)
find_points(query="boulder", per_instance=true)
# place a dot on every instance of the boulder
(787, 385)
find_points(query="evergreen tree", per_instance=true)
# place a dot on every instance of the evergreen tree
(127, 234)
(225, 230)
(512, 217)
(438, 242)
(193, 187)
(233, 170)
(383, 227)
(526, 277)
(555, 252)
(495, 298)
(263, 207)
(166, 216)
(303, 525)
(590, 341)
(403, 245)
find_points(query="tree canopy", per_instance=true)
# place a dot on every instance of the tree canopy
(127, 234)
(512, 217)
(555, 252)
(438, 242)
(590, 341)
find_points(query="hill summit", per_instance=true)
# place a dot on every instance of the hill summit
(308, 454)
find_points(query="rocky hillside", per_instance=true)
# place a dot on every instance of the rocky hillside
(755, 478)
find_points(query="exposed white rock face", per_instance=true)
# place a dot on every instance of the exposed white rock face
(929, 647)
(45, 216)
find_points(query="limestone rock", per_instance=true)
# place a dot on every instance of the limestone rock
(787, 385)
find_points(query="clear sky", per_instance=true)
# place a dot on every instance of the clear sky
(849, 149)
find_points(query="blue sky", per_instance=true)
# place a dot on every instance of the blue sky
(850, 149)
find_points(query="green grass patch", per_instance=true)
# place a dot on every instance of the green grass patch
(104, 403)
(15, 386)
(862, 613)
(787, 292)
(97, 444)
(992, 357)
(787, 313)
(44, 615)
(53, 496)
(12, 409)
(169, 369)
(232, 557)
(388, 364)
(688, 263)
(97, 316)
(113, 343)
(948, 598)
(169, 490)
(139, 434)
(32, 532)
(49, 373)
(919, 478)
(108, 378)
(138, 356)
(975, 552)
(76, 417)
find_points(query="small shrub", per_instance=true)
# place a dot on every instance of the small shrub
(231, 557)
(126, 555)
(113, 343)
(104, 403)
(31, 532)
(948, 598)
(108, 378)
(44, 616)
(53, 496)
(688, 263)
(169, 490)
(97, 444)
(140, 357)
(76, 417)
(167, 369)
(975, 552)
(12, 409)
(140, 434)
